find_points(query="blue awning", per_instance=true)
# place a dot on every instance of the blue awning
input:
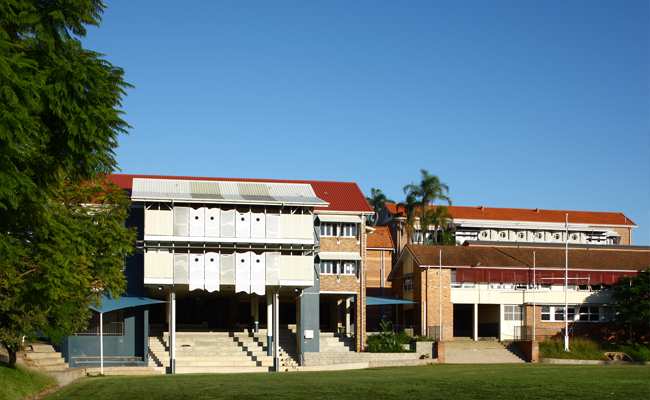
(386, 301)
(125, 301)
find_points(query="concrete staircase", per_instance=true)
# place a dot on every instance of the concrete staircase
(467, 351)
(335, 343)
(45, 358)
(223, 352)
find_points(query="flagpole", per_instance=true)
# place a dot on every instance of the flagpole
(566, 285)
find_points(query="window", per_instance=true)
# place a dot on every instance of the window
(484, 234)
(512, 313)
(540, 235)
(349, 268)
(521, 235)
(328, 229)
(589, 314)
(608, 314)
(338, 267)
(327, 267)
(546, 313)
(407, 283)
(349, 230)
(557, 313)
(502, 234)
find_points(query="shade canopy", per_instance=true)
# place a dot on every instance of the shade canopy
(125, 301)
(386, 301)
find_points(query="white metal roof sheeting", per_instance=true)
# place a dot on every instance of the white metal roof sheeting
(225, 192)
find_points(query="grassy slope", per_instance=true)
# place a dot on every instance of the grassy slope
(530, 381)
(586, 349)
(21, 382)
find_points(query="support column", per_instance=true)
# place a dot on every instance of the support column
(276, 329)
(269, 322)
(347, 317)
(475, 320)
(172, 330)
(146, 336)
(256, 314)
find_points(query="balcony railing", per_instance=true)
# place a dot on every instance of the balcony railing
(110, 329)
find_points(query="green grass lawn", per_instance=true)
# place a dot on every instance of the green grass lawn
(529, 381)
(21, 382)
(587, 349)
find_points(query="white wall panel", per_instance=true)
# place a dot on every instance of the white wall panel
(243, 224)
(273, 226)
(258, 273)
(197, 221)
(296, 268)
(181, 221)
(243, 272)
(158, 222)
(197, 271)
(273, 268)
(212, 272)
(258, 225)
(159, 265)
(181, 262)
(228, 223)
(212, 222)
(227, 269)
(306, 226)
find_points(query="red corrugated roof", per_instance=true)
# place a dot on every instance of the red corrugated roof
(380, 238)
(532, 215)
(594, 259)
(342, 196)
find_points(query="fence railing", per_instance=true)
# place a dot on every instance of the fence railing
(110, 329)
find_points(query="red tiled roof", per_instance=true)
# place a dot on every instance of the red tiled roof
(342, 196)
(380, 238)
(593, 259)
(532, 215)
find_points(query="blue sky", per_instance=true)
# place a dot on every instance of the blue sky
(511, 103)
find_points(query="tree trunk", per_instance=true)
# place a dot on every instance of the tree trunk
(12, 358)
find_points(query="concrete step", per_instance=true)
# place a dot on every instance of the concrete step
(58, 367)
(42, 348)
(223, 358)
(220, 370)
(42, 356)
(126, 370)
(42, 362)
(241, 363)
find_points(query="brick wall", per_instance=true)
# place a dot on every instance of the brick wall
(433, 303)
(346, 245)
(374, 263)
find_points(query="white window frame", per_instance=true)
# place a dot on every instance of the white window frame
(328, 229)
(348, 230)
(338, 267)
(513, 313)
(407, 283)
(328, 267)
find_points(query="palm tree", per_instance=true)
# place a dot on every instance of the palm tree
(377, 200)
(440, 218)
(429, 190)
(410, 206)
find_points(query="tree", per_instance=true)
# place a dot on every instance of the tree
(429, 190)
(59, 124)
(632, 300)
(377, 200)
(439, 217)
(409, 206)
